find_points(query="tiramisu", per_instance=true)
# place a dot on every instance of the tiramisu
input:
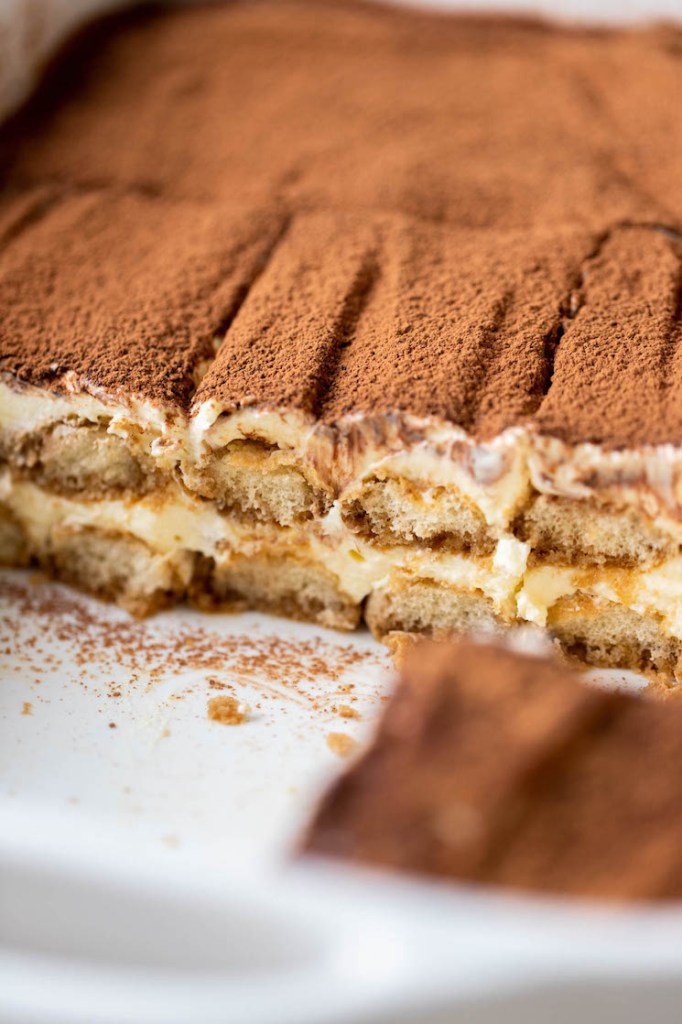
(346, 311)
(582, 796)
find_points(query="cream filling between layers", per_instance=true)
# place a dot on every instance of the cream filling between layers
(30, 408)
(142, 424)
(648, 478)
(495, 476)
(176, 522)
(654, 592)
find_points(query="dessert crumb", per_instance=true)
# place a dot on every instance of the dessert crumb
(27, 709)
(346, 711)
(227, 710)
(341, 743)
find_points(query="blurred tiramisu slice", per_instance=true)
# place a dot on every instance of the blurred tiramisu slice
(443, 396)
(581, 795)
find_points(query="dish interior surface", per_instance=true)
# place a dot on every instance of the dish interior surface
(105, 718)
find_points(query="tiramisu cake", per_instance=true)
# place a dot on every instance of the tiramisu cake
(583, 795)
(347, 311)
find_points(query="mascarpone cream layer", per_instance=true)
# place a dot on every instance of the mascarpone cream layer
(493, 476)
(654, 592)
(496, 475)
(174, 523)
(177, 522)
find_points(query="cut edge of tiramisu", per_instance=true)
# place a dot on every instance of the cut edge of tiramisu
(343, 411)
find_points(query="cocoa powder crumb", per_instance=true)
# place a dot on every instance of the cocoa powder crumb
(341, 743)
(227, 710)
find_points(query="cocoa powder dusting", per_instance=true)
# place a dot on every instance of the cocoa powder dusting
(581, 794)
(154, 282)
(311, 673)
(375, 210)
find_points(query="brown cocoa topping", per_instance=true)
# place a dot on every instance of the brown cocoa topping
(123, 293)
(498, 767)
(379, 210)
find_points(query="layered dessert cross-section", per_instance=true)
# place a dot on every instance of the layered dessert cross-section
(341, 349)
(581, 798)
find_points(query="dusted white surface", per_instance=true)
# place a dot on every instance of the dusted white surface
(166, 773)
(146, 870)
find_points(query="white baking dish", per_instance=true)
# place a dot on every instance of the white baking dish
(146, 871)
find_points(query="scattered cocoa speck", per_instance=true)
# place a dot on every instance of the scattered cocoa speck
(112, 725)
(99, 642)
(215, 684)
(341, 743)
(227, 710)
(346, 711)
(27, 708)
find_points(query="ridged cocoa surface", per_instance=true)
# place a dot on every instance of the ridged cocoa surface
(474, 218)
